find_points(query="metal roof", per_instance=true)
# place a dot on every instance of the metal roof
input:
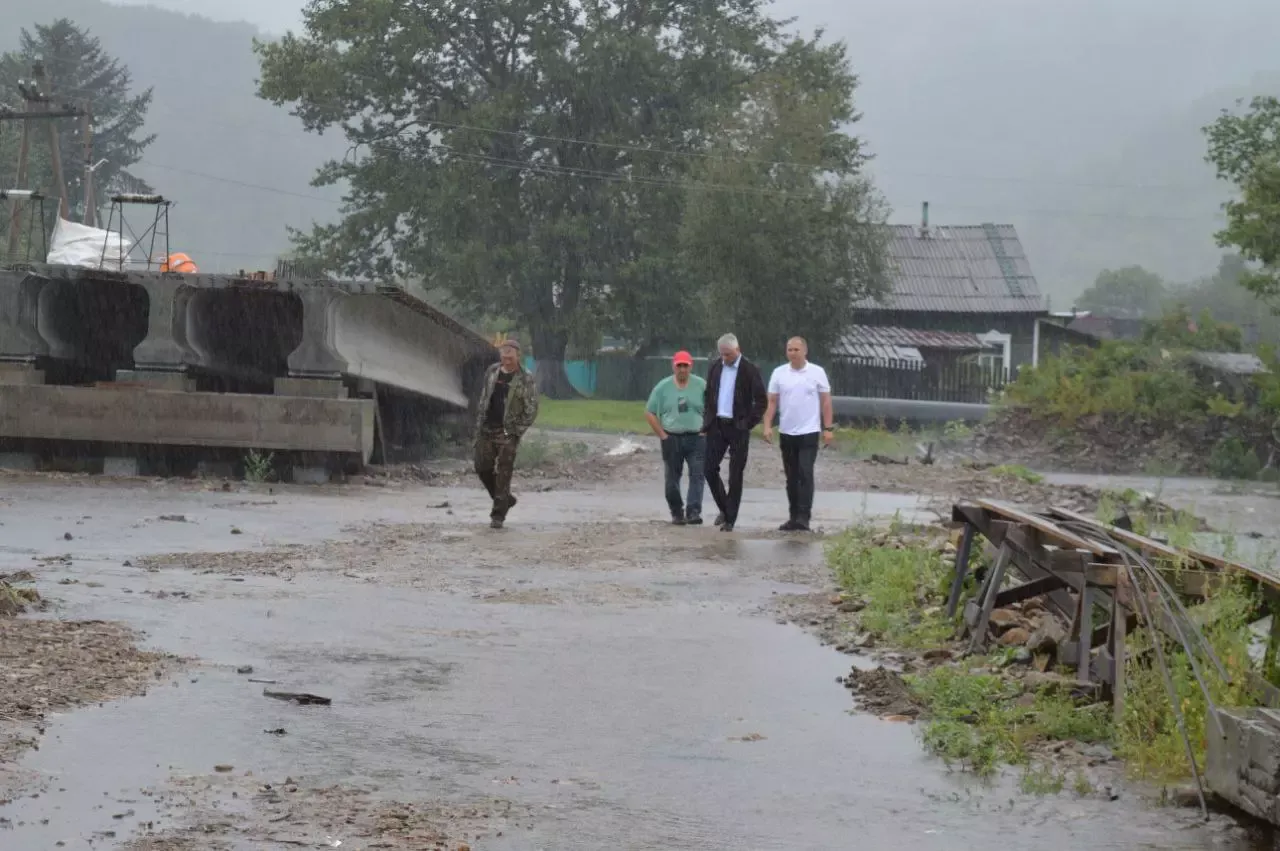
(889, 336)
(961, 269)
(901, 346)
(1231, 363)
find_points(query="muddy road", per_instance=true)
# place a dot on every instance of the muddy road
(589, 677)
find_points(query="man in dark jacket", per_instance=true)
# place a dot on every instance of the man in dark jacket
(735, 403)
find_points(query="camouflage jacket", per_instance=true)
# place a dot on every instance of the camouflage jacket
(522, 401)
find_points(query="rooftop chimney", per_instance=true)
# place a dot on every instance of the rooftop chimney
(924, 220)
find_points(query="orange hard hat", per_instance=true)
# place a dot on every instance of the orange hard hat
(179, 262)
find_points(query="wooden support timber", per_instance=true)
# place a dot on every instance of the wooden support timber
(1076, 576)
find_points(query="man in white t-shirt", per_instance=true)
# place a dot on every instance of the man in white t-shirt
(801, 395)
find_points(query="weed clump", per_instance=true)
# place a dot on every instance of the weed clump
(902, 583)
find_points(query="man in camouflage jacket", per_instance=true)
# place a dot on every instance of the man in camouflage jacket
(508, 406)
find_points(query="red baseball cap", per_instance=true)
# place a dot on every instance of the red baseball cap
(680, 358)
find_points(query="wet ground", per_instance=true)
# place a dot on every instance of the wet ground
(588, 677)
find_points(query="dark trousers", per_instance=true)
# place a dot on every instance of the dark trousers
(495, 463)
(679, 450)
(722, 437)
(799, 451)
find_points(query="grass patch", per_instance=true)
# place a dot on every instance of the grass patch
(611, 416)
(904, 587)
(1017, 471)
(980, 720)
(1148, 738)
(876, 440)
(979, 714)
(538, 452)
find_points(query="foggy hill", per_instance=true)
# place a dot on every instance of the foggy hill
(209, 125)
(1077, 122)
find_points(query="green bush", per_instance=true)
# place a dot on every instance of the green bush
(1231, 458)
(1150, 378)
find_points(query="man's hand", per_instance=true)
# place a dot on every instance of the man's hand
(662, 434)
(827, 437)
(767, 434)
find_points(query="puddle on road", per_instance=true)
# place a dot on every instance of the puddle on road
(683, 723)
(619, 727)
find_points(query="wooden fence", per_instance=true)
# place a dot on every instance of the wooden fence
(948, 382)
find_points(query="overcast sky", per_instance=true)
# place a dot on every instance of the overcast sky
(999, 110)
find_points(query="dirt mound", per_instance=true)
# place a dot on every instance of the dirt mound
(51, 664)
(1113, 443)
(882, 692)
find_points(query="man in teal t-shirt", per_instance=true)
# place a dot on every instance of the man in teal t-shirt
(674, 412)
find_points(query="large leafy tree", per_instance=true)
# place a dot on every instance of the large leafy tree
(782, 224)
(1127, 293)
(1245, 150)
(528, 157)
(80, 72)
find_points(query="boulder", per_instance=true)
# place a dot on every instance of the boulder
(1015, 637)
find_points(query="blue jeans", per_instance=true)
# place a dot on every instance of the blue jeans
(677, 451)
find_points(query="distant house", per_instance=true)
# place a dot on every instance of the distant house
(968, 278)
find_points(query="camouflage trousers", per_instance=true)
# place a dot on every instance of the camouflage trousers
(495, 462)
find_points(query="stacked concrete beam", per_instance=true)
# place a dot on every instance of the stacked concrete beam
(315, 339)
(1243, 764)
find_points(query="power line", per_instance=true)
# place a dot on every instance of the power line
(1018, 179)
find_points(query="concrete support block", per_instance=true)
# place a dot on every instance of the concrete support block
(305, 474)
(166, 347)
(315, 388)
(20, 373)
(216, 469)
(115, 465)
(172, 381)
(20, 338)
(19, 461)
(317, 356)
(133, 416)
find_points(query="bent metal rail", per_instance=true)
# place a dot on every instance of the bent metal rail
(1075, 575)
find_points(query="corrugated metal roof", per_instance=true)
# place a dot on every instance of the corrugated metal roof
(963, 269)
(874, 353)
(1231, 363)
(889, 336)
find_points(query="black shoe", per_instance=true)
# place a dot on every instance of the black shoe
(726, 527)
(693, 520)
(720, 519)
(495, 523)
(790, 526)
(677, 519)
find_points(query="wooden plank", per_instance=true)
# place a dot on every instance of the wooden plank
(961, 569)
(1046, 526)
(1119, 632)
(990, 588)
(1148, 546)
(1034, 588)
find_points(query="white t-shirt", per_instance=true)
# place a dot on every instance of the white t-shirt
(799, 406)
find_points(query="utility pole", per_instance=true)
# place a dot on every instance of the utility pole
(15, 215)
(86, 139)
(55, 156)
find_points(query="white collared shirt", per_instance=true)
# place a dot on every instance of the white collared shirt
(728, 381)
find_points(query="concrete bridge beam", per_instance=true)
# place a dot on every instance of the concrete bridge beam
(166, 347)
(318, 356)
(20, 338)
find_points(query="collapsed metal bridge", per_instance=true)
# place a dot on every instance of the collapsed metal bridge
(144, 368)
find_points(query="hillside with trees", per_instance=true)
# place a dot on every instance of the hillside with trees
(238, 170)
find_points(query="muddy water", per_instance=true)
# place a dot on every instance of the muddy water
(619, 723)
